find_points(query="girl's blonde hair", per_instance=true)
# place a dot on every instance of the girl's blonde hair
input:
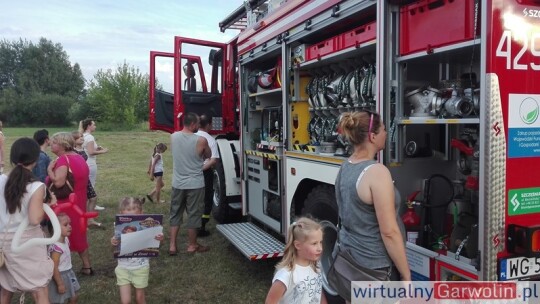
(298, 231)
(62, 215)
(128, 202)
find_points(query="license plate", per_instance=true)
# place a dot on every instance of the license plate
(517, 268)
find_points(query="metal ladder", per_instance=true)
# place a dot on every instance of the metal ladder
(252, 241)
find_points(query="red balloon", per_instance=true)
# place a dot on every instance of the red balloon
(83, 215)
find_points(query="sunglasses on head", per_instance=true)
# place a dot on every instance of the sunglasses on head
(371, 114)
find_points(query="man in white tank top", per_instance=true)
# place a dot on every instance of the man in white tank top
(205, 125)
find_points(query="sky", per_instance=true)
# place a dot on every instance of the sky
(102, 34)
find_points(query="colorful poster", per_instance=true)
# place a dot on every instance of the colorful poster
(137, 235)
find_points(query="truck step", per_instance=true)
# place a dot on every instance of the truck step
(252, 241)
(235, 206)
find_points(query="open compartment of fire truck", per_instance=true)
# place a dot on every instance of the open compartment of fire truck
(433, 120)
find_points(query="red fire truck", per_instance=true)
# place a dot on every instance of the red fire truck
(455, 82)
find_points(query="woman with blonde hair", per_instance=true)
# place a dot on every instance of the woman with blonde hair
(368, 202)
(62, 145)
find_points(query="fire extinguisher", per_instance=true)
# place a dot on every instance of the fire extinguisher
(411, 220)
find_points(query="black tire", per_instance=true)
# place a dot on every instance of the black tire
(321, 204)
(220, 208)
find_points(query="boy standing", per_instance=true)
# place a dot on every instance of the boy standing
(40, 170)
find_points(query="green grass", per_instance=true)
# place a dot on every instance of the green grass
(222, 275)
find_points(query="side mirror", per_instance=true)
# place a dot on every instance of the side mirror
(215, 56)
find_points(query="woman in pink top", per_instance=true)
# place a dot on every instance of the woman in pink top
(62, 144)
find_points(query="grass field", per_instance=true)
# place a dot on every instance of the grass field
(222, 275)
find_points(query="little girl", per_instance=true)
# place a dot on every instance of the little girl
(132, 271)
(90, 192)
(64, 284)
(298, 278)
(155, 171)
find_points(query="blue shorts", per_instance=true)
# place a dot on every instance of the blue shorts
(156, 174)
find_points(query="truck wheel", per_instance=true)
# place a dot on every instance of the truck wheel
(220, 208)
(321, 204)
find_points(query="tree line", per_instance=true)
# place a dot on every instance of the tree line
(39, 86)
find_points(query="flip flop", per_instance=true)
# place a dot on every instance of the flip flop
(149, 198)
(200, 248)
(173, 253)
(87, 271)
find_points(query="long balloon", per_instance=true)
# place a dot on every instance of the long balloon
(18, 248)
(71, 205)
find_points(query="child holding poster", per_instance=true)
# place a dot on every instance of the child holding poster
(133, 271)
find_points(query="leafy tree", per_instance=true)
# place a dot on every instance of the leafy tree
(38, 84)
(118, 97)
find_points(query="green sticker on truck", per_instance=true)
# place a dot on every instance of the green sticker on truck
(524, 201)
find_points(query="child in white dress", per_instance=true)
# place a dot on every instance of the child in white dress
(155, 171)
(64, 284)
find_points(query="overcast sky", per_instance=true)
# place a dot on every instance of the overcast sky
(101, 34)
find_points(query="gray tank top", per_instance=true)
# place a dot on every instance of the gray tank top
(187, 163)
(360, 231)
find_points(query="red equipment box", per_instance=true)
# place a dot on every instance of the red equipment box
(323, 48)
(359, 35)
(429, 24)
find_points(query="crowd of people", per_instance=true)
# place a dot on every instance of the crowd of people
(46, 271)
(370, 228)
(34, 177)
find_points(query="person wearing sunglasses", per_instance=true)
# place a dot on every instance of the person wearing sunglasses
(371, 228)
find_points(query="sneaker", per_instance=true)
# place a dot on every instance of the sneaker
(99, 208)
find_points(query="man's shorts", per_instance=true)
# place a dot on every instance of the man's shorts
(137, 277)
(190, 200)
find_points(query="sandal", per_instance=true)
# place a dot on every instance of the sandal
(149, 198)
(96, 225)
(199, 248)
(88, 271)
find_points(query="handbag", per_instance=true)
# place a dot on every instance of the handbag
(345, 270)
(65, 190)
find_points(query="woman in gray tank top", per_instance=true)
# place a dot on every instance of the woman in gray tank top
(370, 226)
